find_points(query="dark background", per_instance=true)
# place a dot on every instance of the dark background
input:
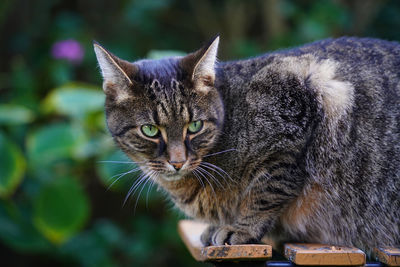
(57, 207)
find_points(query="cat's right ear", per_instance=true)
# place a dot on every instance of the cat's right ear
(200, 65)
(116, 72)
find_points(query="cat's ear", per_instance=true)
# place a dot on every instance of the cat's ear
(200, 65)
(115, 71)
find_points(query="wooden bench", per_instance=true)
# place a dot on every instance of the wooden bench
(388, 255)
(295, 254)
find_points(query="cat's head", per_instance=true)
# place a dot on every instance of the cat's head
(164, 114)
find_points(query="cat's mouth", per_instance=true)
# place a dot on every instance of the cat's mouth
(179, 174)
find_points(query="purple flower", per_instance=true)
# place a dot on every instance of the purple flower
(70, 50)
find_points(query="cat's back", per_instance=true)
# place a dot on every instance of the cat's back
(351, 49)
(351, 52)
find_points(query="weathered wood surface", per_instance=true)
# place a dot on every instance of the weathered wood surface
(319, 254)
(388, 255)
(190, 232)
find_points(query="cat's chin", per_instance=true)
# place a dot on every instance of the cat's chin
(172, 177)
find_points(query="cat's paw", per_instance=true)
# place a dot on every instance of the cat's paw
(206, 236)
(230, 235)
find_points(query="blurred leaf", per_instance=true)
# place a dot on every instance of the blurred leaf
(12, 166)
(96, 121)
(53, 142)
(74, 100)
(17, 232)
(15, 114)
(94, 247)
(90, 146)
(157, 54)
(114, 171)
(61, 209)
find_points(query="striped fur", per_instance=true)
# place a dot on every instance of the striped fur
(297, 145)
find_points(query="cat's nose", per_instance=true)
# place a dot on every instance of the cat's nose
(177, 165)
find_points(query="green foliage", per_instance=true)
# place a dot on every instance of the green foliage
(17, 231)
(12, 166)
(53, 142)
(60, 209)
(15, 114)
(74, 100)
(62, 180)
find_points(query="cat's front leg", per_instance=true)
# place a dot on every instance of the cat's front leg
(240, 233)
(227, 235)
(260, 208)
(248, 229)
(206, 236)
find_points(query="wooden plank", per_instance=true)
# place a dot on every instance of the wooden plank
(388, 255)
(320, 254)
(190, 232)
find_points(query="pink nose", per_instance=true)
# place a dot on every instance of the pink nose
(177, 165)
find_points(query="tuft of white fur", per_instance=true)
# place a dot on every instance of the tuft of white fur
(337, 96)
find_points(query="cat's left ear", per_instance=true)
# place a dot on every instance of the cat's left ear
(115, 71)
(200, 65)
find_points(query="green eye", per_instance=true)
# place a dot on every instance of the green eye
(195, 126)
(150, 130)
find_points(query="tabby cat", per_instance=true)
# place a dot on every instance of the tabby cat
(296, 145)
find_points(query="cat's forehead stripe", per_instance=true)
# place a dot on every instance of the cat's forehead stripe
(171, 103)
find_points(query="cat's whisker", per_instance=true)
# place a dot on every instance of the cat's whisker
(156, 174)
(116, 161)
(147, 179)
(156, 161)
(217, 172)
(135, 183)
(120, 176)
(124, 173)
(220, 169)
(212, 177)
(156, 166)
(220, 152)
(195, 173)
(134, 186)
(212, 188)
